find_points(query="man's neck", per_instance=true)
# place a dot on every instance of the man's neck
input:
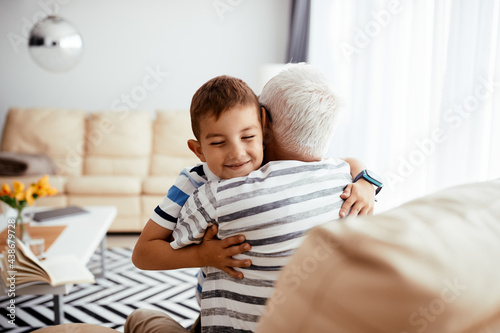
(276, 153)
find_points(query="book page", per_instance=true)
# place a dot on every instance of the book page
(3, 272)
(66, 269)
(26, 251)
(23, 264)
(56, 270)
(25, 277)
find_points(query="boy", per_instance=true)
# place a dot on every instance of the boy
(226, 121)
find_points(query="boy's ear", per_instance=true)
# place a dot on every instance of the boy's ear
(265, 120)
(266, 125)
(195, 147)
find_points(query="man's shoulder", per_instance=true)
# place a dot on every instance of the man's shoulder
(300, 166)
(282, 171)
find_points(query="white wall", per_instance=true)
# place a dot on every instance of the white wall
(187, 41)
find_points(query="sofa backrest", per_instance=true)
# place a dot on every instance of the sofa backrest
(106, 143)
(118, 143)
(171, 130)
(58, 133)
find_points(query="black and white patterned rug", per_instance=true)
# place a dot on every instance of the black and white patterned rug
(109, 301)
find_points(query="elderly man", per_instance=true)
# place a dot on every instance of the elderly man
(273, 207)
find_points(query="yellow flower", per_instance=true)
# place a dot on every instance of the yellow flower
(18, 190)
(43, 188)
(29, 194)
(52, 191)
(5, 189)
(21, 195)
(44, 181)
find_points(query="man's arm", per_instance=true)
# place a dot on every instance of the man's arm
(360, 196)
(153, 252)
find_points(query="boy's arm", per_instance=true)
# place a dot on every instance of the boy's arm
(359, 196)
(153, 252)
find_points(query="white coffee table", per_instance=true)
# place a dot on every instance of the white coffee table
(82, 236)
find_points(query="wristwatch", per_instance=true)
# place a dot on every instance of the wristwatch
(372, 178)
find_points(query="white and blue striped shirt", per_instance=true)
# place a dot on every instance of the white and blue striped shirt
(167, 212)
(273, 207)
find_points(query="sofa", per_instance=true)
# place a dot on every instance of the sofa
(128, 159)
(430, 265)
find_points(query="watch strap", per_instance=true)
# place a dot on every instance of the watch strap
(365, 174)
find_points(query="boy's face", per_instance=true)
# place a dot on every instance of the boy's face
(232, 145)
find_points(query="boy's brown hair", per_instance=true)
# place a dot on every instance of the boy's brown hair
(217, 96)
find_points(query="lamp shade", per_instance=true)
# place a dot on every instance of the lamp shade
(55, 44)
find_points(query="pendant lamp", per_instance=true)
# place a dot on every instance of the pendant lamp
(55, 44)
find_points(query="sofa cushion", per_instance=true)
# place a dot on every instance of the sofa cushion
(129, 209)
(116, 166)
(103, 185)
(149, 203)
(33, 131)
(171, 130)
(115, 133)
(429, 265)
(170, 166)
(127, 206)
(157, 184)
(127, 224)
(118, 143)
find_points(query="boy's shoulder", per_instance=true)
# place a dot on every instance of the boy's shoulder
(199, 172)
(196, 169)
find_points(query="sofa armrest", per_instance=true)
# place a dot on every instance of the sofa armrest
(429, 265)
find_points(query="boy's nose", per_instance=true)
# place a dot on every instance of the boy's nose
(236, 151)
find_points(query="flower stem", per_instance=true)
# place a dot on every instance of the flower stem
(19, 221)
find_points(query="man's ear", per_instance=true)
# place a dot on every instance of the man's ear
(195, 147)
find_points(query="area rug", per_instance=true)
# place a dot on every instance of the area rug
(108, 302)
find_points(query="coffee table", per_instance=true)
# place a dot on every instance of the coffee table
(82, 236)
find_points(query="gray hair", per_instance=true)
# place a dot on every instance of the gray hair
(304, 109)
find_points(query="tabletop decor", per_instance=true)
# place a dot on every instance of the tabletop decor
(22, 197)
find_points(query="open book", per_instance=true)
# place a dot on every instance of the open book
(24, 268)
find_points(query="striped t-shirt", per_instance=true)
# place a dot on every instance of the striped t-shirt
(273, 207)
(167, 212)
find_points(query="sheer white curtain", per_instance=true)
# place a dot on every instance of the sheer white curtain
(420, 83)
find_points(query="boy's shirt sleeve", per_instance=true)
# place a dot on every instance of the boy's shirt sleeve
(167, 212)
(197, 214)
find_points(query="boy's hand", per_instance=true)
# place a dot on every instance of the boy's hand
(219, 253)
(359, 198)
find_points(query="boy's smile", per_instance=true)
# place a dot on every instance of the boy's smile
(232, 145)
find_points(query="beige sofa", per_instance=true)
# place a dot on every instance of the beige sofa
(127, 159)
(430, 265)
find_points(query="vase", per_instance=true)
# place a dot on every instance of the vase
(23, 221)
(20, 217)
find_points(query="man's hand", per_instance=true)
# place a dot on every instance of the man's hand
(219, 253)
(359, 198)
